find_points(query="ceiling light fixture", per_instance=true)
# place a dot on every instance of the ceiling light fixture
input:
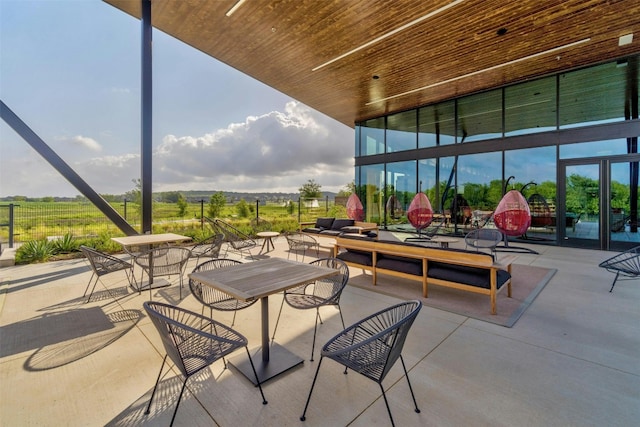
(535, 55)
(234, 7)
(390, 33)
(625, 40)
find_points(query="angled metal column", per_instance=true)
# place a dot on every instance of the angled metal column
(146, 149)
(65, 170)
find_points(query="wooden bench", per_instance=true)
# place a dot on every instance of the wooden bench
(455, 268)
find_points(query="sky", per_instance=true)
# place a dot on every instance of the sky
(70, 69)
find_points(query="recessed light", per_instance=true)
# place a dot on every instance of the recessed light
(375, 77)
(625, 40)
(502, 31)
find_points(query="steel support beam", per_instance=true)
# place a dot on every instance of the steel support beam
(63, 168)
(146, 151)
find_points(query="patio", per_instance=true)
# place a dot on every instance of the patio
(573, 358)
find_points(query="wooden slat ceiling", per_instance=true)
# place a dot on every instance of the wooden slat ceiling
(420, 52)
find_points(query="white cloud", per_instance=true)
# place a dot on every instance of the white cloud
(86, 142)
(274, 152)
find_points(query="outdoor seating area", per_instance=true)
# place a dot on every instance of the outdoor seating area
(577, 343)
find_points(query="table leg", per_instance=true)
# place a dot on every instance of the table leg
(269, 360)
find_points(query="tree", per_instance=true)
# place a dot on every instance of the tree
(182, 205)
(216, 203)
(135, 195)
(242, 207)
(348, 189)
(310, 190)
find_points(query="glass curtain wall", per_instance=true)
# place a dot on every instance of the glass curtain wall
(519, 135)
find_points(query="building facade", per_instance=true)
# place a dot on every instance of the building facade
(567, 142)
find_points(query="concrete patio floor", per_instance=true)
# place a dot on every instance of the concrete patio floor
(573, 358)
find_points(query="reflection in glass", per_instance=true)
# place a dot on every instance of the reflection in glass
(401, 131)
(581, 150)
(480, 116)
(370, 191)
(372, 137)
(624, 202)
(436, 125)
(530, 107)
(401, 187)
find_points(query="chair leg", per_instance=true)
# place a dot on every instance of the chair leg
(386, 402)
(92, 289)
(175, 411)
(413, 396)
(315, 377)
(88, 284)
(277, 320)
(614, 281)
(153, 393)
(253, 368)
(315, 328)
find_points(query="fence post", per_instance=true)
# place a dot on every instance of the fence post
(11, 225)
(299, 209)
(257, 211)
(201, 214)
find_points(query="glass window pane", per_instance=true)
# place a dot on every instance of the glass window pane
(372, 137)
(401, 187)
(480, 116)
(401, 131)
(479, 189)
(436, 125)
(581, 150)
(593, 95)
(371, 191)
(530, 107)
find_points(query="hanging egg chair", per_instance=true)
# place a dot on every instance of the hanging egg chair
(512, 216)
(355, 210)
(420, 213)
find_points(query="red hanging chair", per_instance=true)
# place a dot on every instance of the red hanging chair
(420, 213)
(355, 210)
(512, 215)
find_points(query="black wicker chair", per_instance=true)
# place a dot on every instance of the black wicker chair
(208, 248)
(371, 346)
(323, 292)
(626, 264)
(235, 239)
(164, 261)
(213, 298)
(103, 264)
(301, 242)
(192, 342)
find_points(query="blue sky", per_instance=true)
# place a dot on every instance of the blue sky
(70, 69)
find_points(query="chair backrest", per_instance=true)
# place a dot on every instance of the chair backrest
(231, 234)
(103, 263)
(483, 238)
(210, 247)
(331, 287)
(386, 333)
(187, 339)
(166, 260)
(208, 295)
(297, 240)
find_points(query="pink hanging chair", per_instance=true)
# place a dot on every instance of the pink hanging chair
(420, 213)
(355, 210)
(512, 215)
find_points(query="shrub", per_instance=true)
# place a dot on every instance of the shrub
(66, 244)
(35, 251)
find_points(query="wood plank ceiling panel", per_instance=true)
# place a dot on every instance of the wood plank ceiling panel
(454, 52)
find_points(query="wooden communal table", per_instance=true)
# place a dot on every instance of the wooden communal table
(149, 240)
(259, 279)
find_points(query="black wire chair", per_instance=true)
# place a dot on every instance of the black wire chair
(192, 342)
(321, 293)
(301, 242)
(484, 238)
(625, 264)
(213, 298)
(208, 248)
(164, 261)
(236, 239)
(103, 264)
(371, 347)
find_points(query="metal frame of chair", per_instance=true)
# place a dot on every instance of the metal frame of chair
(164, 261)
(301, 241)
(208, 248)
(484, 238)
(371, 347)
(103, 264)
(213, 298)
(321, 293)
(625, 264)
(235, 238)
(193, 342)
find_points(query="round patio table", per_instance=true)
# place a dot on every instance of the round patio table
(267, 244)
